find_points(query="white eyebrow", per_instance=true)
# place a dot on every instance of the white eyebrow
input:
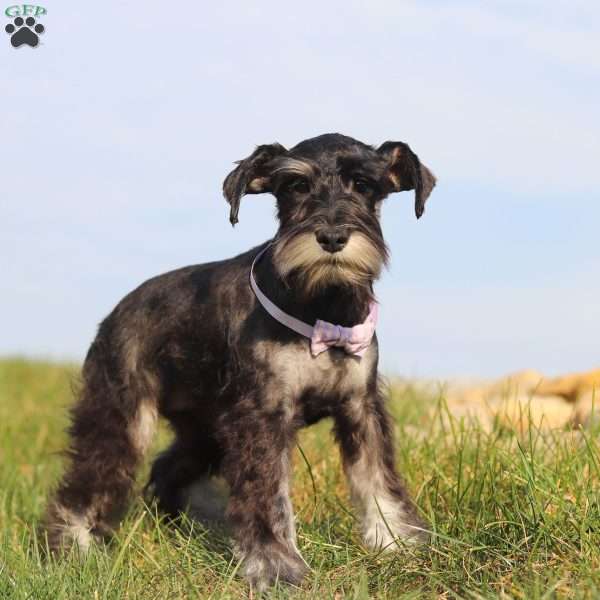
(293, 165)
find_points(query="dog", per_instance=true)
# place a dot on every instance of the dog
(218, 349)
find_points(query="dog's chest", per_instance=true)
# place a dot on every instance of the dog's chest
(294, 374)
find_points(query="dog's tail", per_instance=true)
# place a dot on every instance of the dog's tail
(112, 426)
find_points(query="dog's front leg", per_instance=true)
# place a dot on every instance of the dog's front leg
(256, 466)
(365, 434)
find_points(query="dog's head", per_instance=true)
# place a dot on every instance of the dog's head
(329, 191)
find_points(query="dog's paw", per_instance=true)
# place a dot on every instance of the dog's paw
(265, 566)
(24, 32)
(205, 500)
(64, 530)
(396, 528)
(379, 537)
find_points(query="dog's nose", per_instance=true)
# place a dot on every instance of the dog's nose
(332, 240)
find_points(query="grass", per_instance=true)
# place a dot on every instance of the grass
(515, 513)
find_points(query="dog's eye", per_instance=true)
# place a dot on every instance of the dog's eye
(298, 185)
(362, 185)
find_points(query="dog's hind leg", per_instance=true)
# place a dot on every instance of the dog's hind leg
(112, 426)
(364, 431)
(180, 473)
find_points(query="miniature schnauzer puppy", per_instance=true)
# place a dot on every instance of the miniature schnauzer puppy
(221, 351)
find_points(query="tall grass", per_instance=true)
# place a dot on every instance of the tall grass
(513, 513)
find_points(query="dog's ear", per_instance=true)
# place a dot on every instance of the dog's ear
(251, 176)
(406, 172)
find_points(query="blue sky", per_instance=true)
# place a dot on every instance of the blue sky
(118, 130)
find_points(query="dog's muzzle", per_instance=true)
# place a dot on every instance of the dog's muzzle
(332, 239)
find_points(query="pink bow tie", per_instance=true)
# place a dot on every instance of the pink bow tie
(324, 335)
(354, 340)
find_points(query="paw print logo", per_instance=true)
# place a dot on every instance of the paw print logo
(24, 32)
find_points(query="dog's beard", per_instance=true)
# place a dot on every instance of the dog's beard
(359, 263)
